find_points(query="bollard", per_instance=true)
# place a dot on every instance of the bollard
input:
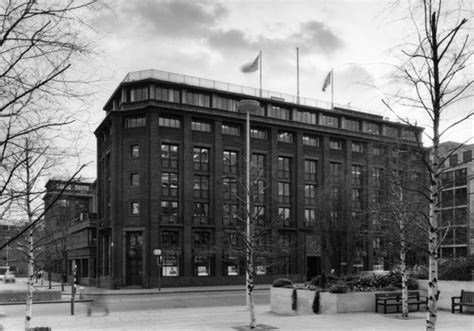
(81, 293)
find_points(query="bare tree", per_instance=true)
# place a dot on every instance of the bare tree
(436, 75)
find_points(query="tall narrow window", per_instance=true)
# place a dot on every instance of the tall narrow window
(310, 170)
(201, 158)
(284, 167)
(169, 156)
(169, 184)
(169, 212)
(284, 193)
(201, 187)
(230, 162)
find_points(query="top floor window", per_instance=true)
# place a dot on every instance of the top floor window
(304, 116)
(390, 131)
(169, 122)
(201, 126)
(225, 103)
(408, 134)
(135, 122)
(167, 94)
(138, 94)
(467, 156)
(369, 127)
(258, 133)
(310, 140)
(231, 130)
(352, 125)
(278, 112)
(197, 99)
(285, 137)
(327, 120)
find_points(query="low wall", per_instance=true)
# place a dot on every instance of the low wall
(448, 289)
(331, 303)
(20, 296)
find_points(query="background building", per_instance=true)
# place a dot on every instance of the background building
(11, 256)
(457, 200)
(170, 162)
(70, 229)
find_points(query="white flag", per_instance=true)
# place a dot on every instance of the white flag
(327, 81)
(251, 66)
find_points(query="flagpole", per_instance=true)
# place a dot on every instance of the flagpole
(297, 75)
(260, 57)
(332, 88)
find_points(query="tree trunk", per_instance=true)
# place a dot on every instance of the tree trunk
(404, 281)
(250, 286)
(30, 284)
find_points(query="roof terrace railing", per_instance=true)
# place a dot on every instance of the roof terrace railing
(233, 88)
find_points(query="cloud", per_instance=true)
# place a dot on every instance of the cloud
(317, 36)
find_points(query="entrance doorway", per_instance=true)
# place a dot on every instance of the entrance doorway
(313, 266)
(134, 255)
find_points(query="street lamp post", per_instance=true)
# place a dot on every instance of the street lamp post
(247, 107)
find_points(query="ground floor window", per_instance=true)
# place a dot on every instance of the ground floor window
(170, 266)
(202, 266)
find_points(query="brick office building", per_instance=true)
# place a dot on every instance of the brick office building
(171, 149)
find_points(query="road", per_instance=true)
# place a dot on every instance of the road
(143, 302)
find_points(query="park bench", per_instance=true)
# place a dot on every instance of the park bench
(394, 299)
(465, 299)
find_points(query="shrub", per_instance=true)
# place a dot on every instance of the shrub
(389, 288)
(456, 269)
(338, 288)
(283, 282)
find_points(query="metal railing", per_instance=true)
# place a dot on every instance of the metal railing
(233, 88)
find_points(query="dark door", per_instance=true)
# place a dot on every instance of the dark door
(134, 266)
(313, 266)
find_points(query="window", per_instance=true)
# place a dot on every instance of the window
(138, 94)
(447, 179)
(304, 116)
(352, 125)
(197, 99)
(335, 144)
(309, 217)
(309, 194)
(169, 184)
(201, 158)
(258, 189)
(229, 188)
(408, 134)
(169, 156)
(390, 131)
(310, 140)
(460, 177)
(258, 133)
(357, 147)
(284, 193)
(134, 151)
(225, 103)
(327, 120)
(285, 137)
(259, 215)
(377, 177)
(134, 208)
(284, 215)
(278, 112)
(231, 130)
(447, 198)
(167, 94)
(201, 213)
(201, 126)
(356, 198)
(134, 179)
(169, 212)
(284, 170)
(169, 122)
(201, 187)
(257, 165)
(335, 172)
(377, 151)
(356, 175)
(369, 127)
(467, 156)
(230, 162)
(135, 122)
(460, 197)
(230, 214)
(453, 160)
(170, 267)
(310, 170)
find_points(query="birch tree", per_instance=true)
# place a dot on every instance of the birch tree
(437, 75)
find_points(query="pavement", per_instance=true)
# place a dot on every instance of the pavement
(231, 317)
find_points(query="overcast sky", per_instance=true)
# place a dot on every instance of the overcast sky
(212, 40)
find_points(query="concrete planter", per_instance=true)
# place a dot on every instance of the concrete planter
(20, 296)
(329, 303)
(280, 301)
(448, 289)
